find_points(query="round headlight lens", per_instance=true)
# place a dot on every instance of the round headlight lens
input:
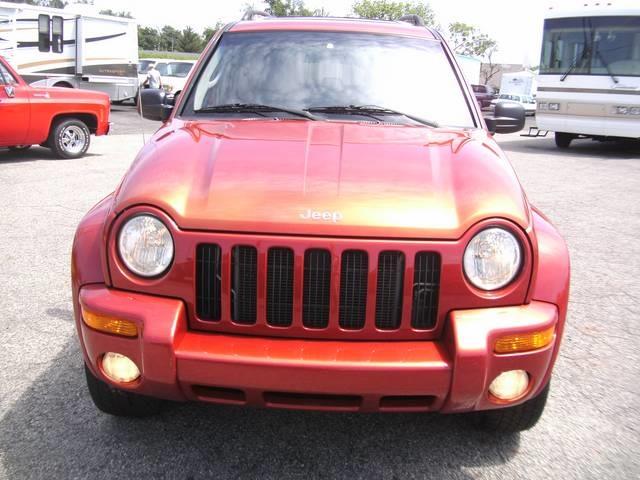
(492, 258)
(145, 246)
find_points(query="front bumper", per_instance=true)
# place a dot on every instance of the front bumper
(449, 375)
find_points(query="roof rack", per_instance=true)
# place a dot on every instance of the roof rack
(254, 14)
(413, 19)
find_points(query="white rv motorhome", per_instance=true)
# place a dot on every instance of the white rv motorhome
(589, 81)
(70, 48)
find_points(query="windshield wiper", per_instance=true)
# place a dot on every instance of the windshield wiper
(606, 65)
(254, 108)
(370, 111)
(586, 50)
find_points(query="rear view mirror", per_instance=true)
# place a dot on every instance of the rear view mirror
(154, 104)
(508, 117)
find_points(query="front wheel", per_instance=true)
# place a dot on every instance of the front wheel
(70, 138)
(118, 402)
(513, 419)
(563, 140)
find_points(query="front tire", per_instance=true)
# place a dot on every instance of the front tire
(70, 138)
(119, 402)
(563, 140)
(513, 419)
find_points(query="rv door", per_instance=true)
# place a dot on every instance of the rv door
(79, 44)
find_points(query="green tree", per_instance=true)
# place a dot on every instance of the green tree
(43, 3)
(113, 13)
(388, 10)
(169, 38)
(209, 32)
(290, 8)
(466, 39)
(148, 38)
(189, 41)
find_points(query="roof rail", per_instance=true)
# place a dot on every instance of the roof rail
(254, 14)
(413, 19)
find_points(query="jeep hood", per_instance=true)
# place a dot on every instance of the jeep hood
(324, 178)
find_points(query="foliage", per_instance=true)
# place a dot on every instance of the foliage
(148, 38)
(42, 3)
(466, 39)
(209, 32)
(287, 8)
(390, 10)
(113, 13)
(169, 38)
(189, 41)
(172, 55)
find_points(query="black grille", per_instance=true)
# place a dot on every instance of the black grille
(353, 289)
(208, 282)
(426, 284)
(244, 276)
(316, 291)
(280, 287)
(389, 290)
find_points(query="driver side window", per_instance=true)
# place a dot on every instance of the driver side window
(6, 78)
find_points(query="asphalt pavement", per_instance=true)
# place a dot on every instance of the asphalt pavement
(49, 427)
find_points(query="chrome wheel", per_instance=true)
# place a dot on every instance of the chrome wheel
(73, 139)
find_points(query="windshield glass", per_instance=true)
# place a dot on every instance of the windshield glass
(298, 70)
(143, 65)
(179, 69)
(588, 45)
(163, 68)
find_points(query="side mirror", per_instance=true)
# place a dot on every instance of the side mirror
(154, 104)
(10, 91)
(508, 117)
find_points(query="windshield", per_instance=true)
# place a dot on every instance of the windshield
(299, 70)
(143, 65)
(179, 69)
(163, 68)
(591, 46)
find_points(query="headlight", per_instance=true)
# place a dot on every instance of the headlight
(145, 245)
(492, 258)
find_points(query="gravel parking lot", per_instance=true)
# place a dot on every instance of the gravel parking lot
(50, 429)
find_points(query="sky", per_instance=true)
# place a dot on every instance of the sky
(515, 24)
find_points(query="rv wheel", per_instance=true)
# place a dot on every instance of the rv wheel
(69, 138)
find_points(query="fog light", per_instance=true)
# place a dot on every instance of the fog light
(119, 368)
(509, 385)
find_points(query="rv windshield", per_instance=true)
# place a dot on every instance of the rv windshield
(591, 46)
(316, 70)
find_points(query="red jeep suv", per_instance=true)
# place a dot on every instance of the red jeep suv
(323, 221)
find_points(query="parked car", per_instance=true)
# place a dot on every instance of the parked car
(61, 119)
(298, 234)
(176, 77)
(484, 94)
(527, 101)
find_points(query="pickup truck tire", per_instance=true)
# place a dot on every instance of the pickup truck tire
(513, 419)
(119, 402)
(69, 138)
(563, 140)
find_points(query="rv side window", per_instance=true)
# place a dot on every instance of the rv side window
(57, 44)
(44, 33)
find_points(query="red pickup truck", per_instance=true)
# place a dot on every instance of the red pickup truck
(61, 119)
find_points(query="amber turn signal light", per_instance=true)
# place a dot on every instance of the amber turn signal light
(524, 342)
(105, 323)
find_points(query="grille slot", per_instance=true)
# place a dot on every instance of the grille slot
(426, 286)
(316, 289)
(354, 274)
(280, 287)
(244, 278)
(389, 290)
(208, 282)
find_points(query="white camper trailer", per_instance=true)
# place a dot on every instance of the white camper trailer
(69, 48)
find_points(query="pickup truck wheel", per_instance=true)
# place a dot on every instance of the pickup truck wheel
(118, 402)
(70, 138)
(563, 140)
(513, 419)
(19, 148)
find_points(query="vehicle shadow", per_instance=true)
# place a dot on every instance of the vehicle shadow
(585, 148)
(35, 154)
(54, 431)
